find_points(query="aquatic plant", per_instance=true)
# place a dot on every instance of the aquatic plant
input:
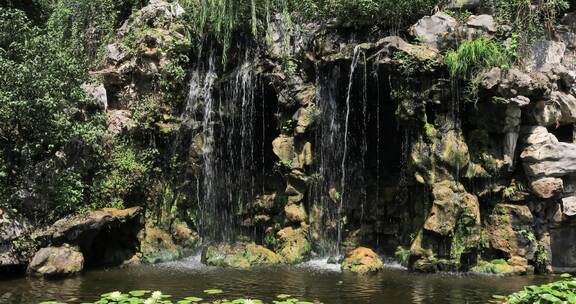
(563, 291)
(157, 297)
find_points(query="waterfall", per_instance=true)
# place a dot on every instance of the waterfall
(228, 178)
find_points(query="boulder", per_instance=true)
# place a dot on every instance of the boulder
(435, 30)
(463, 4)
(514, 266)
(391, 44)
(283, 147)
(362, 260)
(183, 235)
(98, 93)
(293, 245)
(57, 261)
(239, 256)
(569, 206)
(560, 108)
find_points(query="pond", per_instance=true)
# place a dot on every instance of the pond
(314, 280)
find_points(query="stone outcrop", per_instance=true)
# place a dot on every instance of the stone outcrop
(57, 261)
(108, 236)
(362, 260)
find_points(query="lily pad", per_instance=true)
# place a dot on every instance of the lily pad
(213, 291)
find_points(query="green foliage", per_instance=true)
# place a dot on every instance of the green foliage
(403, 255)
(473, 56)
(125, 172)
(562, 291)
(530, 19)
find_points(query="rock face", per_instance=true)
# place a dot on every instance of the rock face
(15, 244)
(510, 230)
(108, 236)
(362, 260)
(57, 261)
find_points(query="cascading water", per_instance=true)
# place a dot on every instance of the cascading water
(334, 163)
(228, 179)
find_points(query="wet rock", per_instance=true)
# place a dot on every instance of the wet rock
(283, 147)
(435, 30)
(157, 246)
(450, 201)
(362, 260)
(293, 245)
(510, 230)
(15, 246)
(239, 256)
(305, 118)
(57, 261)
(453, 150)
(295, 213)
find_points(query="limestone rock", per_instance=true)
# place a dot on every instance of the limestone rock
(513, 82)
(547, 187)
(57, 261)
(391, 44)
(305, 117)
(239, 256)
(463, 4)
(283, 147)
(569, 206)
(453, 150)
(434, 29)
(510, 230)
(546, 157)
(559, 109)
(514, 266)
(295, 213)
(480, 24)
(293, 245)
(362, 260)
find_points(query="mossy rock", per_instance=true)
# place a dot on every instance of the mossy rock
(500, 267)
(362, 260)
(293, 245)
(156, 246)
(239, 256)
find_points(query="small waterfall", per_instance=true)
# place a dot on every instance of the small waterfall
(228, 178)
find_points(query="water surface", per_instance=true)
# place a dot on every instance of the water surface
(314, 280)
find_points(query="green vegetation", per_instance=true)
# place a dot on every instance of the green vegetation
(563, 291)
(530, 20)
(157, 297)
(476, 55)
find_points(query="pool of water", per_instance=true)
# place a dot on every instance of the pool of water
(314, 280)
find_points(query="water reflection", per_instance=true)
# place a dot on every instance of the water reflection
(315, 280)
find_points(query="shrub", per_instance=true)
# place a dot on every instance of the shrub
(563, 291)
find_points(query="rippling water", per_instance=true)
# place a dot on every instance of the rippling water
(314, 280)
